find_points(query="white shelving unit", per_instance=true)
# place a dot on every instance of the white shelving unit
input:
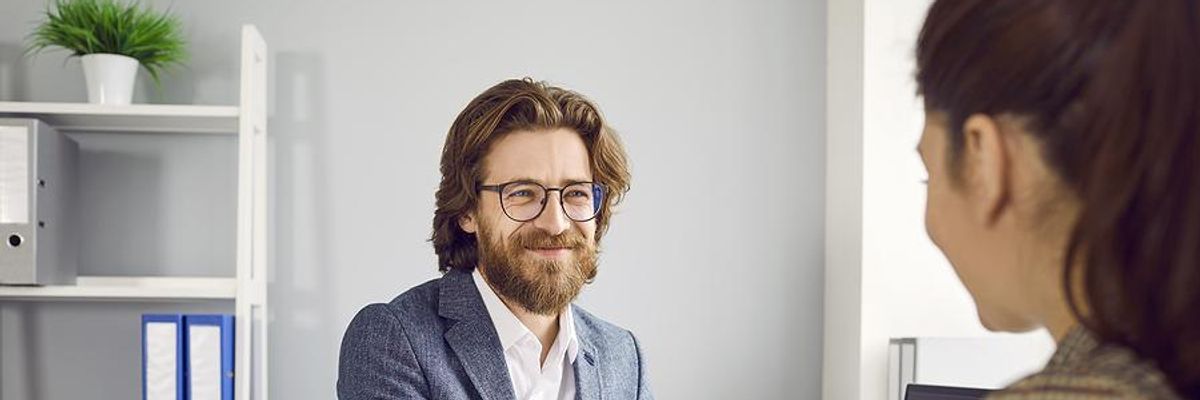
(248, 289)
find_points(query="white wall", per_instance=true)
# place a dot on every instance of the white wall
(884, 278)
(843, 356)
(715, 261)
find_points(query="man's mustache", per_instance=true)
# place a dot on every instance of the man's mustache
(538, 239)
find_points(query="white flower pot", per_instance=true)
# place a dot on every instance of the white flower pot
(109, 78)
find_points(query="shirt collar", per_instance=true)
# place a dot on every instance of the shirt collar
(510, 329)
(566, 333)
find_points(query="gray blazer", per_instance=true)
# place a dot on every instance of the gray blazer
(436, 341)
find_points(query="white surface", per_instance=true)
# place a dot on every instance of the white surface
(109, 78)
(842, 347)
(982, 362)
(252, 362)
(901, 367)
(14, 175)
(204, 362)
(161, 361)
(146, 118)
(128, 288)
(902, 286)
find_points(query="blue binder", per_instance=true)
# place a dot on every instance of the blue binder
(209, 348)
(163, 357)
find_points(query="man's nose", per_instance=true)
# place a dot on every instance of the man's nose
(553, 220)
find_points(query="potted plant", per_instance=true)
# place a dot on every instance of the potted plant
(111, 39)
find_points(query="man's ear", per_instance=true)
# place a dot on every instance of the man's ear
(467, 223)
(989, 158)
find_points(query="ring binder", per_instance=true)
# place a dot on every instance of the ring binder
(209, 352)
(163, 357)
(37, 204)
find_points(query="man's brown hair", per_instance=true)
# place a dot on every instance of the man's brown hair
(514, 105)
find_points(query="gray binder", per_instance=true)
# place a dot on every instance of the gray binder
(38, 236)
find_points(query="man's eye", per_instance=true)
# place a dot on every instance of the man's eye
(520, 193)
(577, 193)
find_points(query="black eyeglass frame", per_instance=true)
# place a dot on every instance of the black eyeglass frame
(499, 189)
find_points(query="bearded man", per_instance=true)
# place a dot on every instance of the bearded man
(530, 174)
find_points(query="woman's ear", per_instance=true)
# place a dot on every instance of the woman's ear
(989, 162)
(467, 223)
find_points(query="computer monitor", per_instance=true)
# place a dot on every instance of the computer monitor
(931, 392)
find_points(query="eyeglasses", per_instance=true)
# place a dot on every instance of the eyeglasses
(524, 201)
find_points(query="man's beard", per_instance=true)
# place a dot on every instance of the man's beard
(539, 285)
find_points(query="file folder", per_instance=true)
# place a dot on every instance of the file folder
(162, 357)
(209, 357)
(38, 236)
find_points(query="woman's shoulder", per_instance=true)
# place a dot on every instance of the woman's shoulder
(1091, 385)
(1084, 368)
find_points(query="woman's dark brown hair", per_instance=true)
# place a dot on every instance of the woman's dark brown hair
(513, 105)
(1112, 90)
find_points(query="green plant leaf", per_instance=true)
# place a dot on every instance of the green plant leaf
(85, 27)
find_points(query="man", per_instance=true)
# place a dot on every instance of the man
(530, 173)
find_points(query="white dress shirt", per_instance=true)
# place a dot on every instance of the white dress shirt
(522, 350)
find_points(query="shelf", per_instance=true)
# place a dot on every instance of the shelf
(156, 118)
(150, 288)
(247, 122)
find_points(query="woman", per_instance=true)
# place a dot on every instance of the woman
(1062, 141)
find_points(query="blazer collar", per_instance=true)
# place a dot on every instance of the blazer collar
(474, 339)
(588, 385)
(472, 336)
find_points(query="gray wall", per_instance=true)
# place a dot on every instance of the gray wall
(715, 260)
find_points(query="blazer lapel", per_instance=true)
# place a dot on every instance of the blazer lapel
(473, 338)
(588, 385)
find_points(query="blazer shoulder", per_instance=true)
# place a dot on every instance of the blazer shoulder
(378, 359)
(416, 304)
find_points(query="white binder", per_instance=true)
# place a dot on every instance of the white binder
(209, 357)
(163, 357)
